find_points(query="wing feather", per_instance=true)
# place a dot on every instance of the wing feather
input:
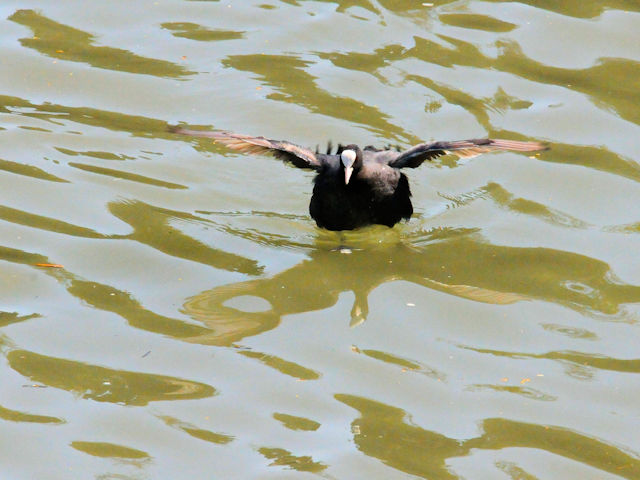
(414, 156)
(299, 156)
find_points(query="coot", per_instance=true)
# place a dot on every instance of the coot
(353, 187)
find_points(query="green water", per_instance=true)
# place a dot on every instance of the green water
(199, 325)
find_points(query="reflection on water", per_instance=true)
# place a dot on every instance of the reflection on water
(424, 453)
(404, 363)
(283, 366)
(485, 273)
(104, 384)
(121, 303)
(29, 171)
(193, 31)
(103, 449)
(296, 423)
(177, 246)
(41, 222)
(283, 457)
(580, 360)
(580, 8)
(199, 433)
(529, 207)
(67, 43)
(480, 22)
(287, 75)
(525, 392)
(588, 156)
(594, 81)
(151, 226)
(416, 451)
(132, 177)
(16, 416)
(8, 318)
(56, 114)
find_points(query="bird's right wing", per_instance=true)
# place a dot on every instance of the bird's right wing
(414, 156)
(298, 156)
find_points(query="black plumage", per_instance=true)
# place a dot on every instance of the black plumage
(353, 187)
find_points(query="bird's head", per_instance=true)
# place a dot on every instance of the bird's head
(351, 159)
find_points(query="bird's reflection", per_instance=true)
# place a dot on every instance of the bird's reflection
(456, 261)
(459, 262)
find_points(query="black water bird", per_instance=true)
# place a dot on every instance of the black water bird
(353, 187)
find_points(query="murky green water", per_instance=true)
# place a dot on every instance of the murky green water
(199, 325)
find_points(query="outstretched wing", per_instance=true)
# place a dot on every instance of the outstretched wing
(299, 156)
(413, 157)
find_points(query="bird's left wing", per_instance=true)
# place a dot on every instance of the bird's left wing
(414, 156)
(298, 156)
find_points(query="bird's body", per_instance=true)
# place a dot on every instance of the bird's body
(354, 188)
(378, 194)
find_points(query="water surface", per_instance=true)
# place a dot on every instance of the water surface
(169, 309)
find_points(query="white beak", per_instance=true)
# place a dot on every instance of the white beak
(347, 157)
(347, 174)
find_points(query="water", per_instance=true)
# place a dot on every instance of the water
(199, 325)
